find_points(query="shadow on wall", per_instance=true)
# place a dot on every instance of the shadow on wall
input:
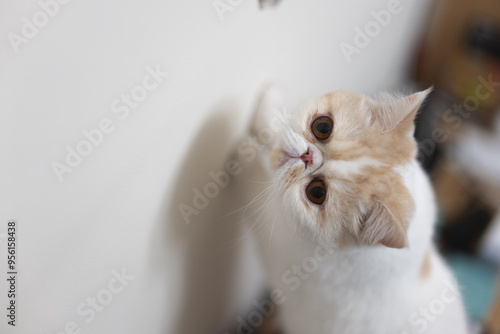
(209, 263)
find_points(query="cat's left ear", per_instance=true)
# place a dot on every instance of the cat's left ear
(385, 226)
(398, 113)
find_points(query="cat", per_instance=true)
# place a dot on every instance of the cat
(343, 216)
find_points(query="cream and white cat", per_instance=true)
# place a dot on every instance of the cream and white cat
(345, 216)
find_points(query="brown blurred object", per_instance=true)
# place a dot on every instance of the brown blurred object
(270, 326)
(492, 323)
(462, 44)
(452, 191)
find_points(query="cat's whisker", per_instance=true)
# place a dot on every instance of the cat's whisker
(245, 207)
(271, 234)
(268, 202)
(259, 220)
(262, 207)
(260, 182)
(244, 216)
(244, 235)
(258, 197)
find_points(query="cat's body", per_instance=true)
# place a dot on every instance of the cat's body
(359, 274)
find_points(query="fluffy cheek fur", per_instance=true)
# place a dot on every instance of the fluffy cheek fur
(336, 224)
(367, 201)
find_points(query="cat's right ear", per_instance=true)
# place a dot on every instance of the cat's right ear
(393, 113)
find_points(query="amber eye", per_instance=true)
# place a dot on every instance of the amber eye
(316, 191)
(322, 128)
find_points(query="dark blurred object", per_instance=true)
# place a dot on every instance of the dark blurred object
(466, 215)
(259, 320)
(462, 235)
(485, 39)
(268, 3)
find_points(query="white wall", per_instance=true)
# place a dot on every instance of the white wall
(118, 208)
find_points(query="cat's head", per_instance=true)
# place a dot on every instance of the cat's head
(337, 163)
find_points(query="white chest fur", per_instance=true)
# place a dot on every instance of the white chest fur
(364, 289)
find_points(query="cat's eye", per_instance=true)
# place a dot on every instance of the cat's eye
(316, 191)
(322, 128)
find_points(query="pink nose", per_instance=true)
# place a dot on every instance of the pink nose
(307, 157)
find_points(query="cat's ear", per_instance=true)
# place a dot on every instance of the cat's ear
(398, 113)
(381, 226)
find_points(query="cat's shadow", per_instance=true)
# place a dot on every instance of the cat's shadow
(208, 262)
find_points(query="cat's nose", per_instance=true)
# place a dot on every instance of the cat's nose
(307, 157)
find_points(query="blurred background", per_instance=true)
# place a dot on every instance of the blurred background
(170, 86)
(459, 136)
